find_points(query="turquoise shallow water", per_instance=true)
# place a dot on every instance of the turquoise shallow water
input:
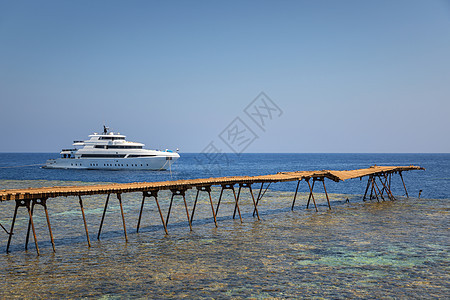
(392, 249)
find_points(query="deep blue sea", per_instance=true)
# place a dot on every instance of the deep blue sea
(434, 182)
(379, 250)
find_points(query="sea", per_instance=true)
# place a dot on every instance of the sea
(357, 249)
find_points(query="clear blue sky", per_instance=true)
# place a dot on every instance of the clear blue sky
(349, 76)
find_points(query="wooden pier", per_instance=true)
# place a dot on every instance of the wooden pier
(379, 183)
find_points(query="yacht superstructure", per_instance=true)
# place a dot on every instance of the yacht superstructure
(109, 150)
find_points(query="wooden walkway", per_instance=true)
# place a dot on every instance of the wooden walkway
(379, 183)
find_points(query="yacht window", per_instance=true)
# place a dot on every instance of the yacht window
(112, 138)
(116, 147)
(103, 155)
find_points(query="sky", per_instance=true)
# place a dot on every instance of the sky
(236, 76)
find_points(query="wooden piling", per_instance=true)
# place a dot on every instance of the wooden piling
(260, 195)
(367, 187)
(208, 190)
(179, 192)
(400, 173)
(84, 221)
(311, 194)
(119, 197)
(103, 217)
(295, 195)
(154, 194)
(236, 200)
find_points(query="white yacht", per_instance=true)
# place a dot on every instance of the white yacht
(111, 151)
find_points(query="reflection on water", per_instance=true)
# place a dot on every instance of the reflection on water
(358, 249)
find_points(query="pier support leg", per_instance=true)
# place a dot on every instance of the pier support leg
(400, 173)
(326, 194)
(204, 189)
(382, 186)
(170, 208)
(84, 221)
(367, 187)
(23, 203)
(121, 211)
(119, 197)
(237, 200)
(386, 186)
(103, 217)
(376, 185)
(390, 177)
(183, 194)
(212, 206)
(237, 204)
(12, 225)
(195, 204)
(311, 194)
(255, 205)
(220, 198)
(153, 194)
(30, 213)
(43, 202)
(187, 212)
(140, 212)
(374, 189)
(249, 186)
(383, 176)
(260, 195)
(31, 224)
(160, 214)
(295, 196)
(388, 182)
(229, 187)
(254, 202)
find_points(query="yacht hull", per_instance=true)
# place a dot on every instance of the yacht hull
(155, 163)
